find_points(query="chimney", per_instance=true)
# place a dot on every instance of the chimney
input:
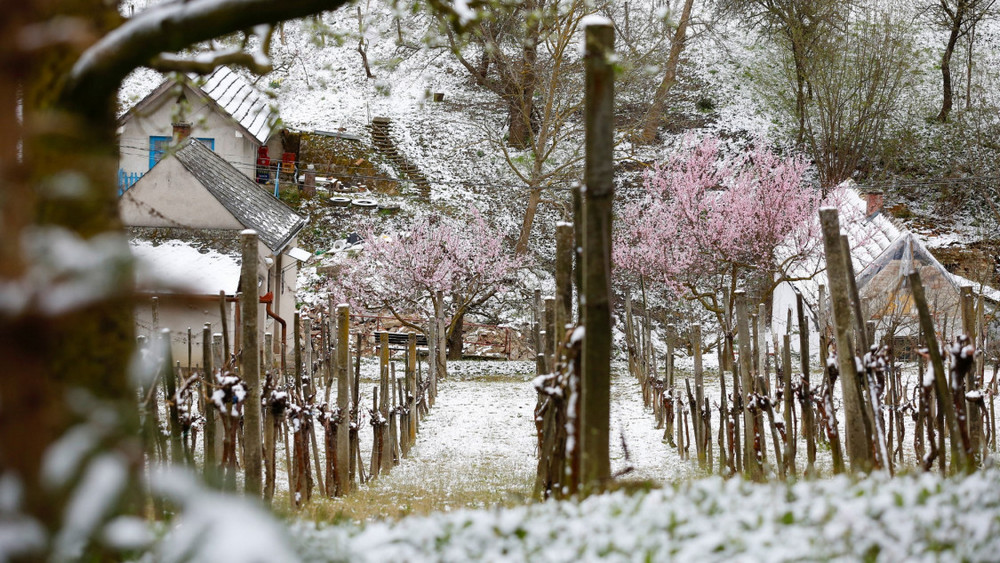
(182, 130)
(874, 202)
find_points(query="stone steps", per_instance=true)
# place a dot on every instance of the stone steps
(383, 142)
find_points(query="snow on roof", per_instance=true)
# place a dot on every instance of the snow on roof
(872, 238)
(255, 208)
(868, 235)
(176, 266)
(248, 105)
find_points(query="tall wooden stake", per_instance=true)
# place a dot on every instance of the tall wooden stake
(343, 399)
(250, 364)
(564, 278)
(752, 463)
(701, 440)
(859, 447)
(383, 407)
(975, 416)
(808, 427)
(786, 375)
(940, 379)
(596, 311)
(207, 382)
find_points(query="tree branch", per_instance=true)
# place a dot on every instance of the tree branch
(201, 64)
(169, 28)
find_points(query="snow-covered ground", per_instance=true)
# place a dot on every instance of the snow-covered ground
(481, 429)
(912, 518)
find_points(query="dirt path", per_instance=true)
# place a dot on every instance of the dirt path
(476, 447)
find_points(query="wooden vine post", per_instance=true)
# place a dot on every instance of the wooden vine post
(975, 416)
(940, 380)
(170, 388)
(700, 432)
(564, 279)
(536, 331)
(208, 380)
(752, 462)
(789, 407)
(550, 333)
(411, 388)
(441, 356)
(343, 482)
(808, 426)
(859, 447)
(872, 408)
(596, 301)
(385, 455)
(250, 364)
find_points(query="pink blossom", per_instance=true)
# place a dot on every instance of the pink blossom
(402, 272)
(705, 217)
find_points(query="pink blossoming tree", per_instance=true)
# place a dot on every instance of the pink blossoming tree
(440, 265)
(707, 222)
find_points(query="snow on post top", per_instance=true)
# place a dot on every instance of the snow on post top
(594, 19)
(248, 232)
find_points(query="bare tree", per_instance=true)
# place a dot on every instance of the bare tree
(959, 18)
(856, 76)
(651, 120)
(507, 42)
(528, 58)
(800, 26)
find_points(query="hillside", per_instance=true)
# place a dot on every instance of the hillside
(731, 83)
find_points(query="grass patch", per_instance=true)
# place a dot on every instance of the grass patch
(484, 485)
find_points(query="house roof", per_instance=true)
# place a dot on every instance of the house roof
(875, 240)
(868, 235)
(177, 266)
(248, 105)
(251, 111)
(911, 253)
(276, 224)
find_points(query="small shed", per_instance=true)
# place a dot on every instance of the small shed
(887, 298)
(196, 194)
(187, 278)
(881, 253)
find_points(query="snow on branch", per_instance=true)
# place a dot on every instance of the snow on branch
(258, 61)
(169, 28)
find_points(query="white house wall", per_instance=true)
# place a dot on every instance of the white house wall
(178, 313)
(783, 300)
(171, 199)
(157, 119)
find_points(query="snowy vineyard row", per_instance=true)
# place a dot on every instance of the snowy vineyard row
(859, 411)
(312, 415)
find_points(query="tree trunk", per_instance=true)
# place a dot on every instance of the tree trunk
(651, 121)
(50, 350)
(519, 110)
(521, 86)
(455, 336)
(949, 50)
(528, 221)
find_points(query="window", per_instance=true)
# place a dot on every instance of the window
(158, 144)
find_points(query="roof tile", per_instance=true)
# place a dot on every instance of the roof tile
(252, 206)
